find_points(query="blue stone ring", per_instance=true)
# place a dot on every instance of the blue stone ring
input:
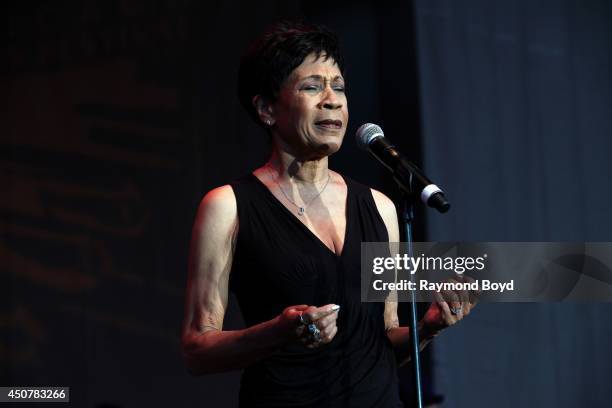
(315, 333)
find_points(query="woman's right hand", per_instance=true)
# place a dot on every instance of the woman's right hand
(324, 318)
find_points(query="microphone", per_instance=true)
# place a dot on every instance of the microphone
(409, 177)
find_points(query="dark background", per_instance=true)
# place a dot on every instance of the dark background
(117, 116)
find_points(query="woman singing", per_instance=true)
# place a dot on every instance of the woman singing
(286, 240)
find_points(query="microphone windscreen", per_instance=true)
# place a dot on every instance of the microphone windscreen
(366, 133)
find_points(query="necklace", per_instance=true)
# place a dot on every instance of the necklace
(301, 208)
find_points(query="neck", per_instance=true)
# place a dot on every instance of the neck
(288, 167)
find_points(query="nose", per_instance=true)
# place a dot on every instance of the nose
(331, 100)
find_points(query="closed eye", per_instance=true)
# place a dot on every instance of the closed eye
(311, 88)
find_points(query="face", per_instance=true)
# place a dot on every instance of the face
(311, 114)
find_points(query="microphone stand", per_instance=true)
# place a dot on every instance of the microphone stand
(407, 218)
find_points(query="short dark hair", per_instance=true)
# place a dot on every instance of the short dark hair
(271, 58)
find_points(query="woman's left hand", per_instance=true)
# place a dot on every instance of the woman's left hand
(449, 308)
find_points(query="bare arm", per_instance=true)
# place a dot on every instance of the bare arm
(206, 348)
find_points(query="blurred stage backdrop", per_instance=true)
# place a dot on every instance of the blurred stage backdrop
(118, 116)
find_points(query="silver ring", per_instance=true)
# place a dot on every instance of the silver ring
(301, 320)
(315, 333)
(456, 310)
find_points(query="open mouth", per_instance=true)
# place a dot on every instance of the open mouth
(329, 124)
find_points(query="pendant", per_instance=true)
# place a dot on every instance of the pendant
(301, 210)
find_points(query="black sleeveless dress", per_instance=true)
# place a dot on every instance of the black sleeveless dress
(279, 262)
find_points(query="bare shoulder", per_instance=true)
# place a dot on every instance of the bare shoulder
(220, 196)
(217, 216)
(387, 211)
(385, 206)
(219, 202)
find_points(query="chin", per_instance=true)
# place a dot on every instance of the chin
(329, 148)
(326, 144)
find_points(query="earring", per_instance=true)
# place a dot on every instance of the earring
(269, 122)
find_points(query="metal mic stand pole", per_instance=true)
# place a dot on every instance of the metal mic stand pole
(407, 217)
